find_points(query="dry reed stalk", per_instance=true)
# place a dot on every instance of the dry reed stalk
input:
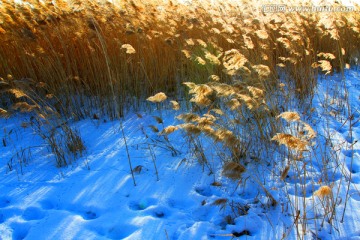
(50, 42)
(233, 170)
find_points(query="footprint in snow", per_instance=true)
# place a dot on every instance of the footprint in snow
(160, 212)
(203, 191)
(4, 202)
(33, 213)
(86, 212)
(20, 230)
(349, 139)
(341, 130)
(348, 153)
(354, 167)
(121, 231)
(142, 204)
(89, 215)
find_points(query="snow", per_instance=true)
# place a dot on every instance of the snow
(95, 198)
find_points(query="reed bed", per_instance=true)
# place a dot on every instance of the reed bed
(105, 57)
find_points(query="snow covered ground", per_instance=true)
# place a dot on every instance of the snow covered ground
(95, 197)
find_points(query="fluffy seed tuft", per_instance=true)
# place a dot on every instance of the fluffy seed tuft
(323, 191)
(157, 98)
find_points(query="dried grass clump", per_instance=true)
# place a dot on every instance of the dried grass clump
(200, 61)
(233, 170)
(233, 61)
(24, 96)
(24, 107)
(129, 49)
(256, 92)
(285, 172)
(169, 129)
(4, 113)
(291, 142)
(191, 129)
(17, 93)
(289, 116)
(305, 133)
(221, 202)
(262, 70)
(188, 117)
(200, 94)
(323, 191)
(214, 78)
(157, 98)
(175, 105)
(325, 66)
(214, 60)
(310, 131)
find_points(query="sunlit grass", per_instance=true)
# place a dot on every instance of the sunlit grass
(97, 56)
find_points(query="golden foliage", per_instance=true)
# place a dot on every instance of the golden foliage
(188, 117)
(175, 105)
(326, 55)
(214, 78)
(202, 89)
(262, 34)
(157, 98)
(248, 47)
(129, 48)
(291, 141)
(233, 170)
(200, 61)
(190, 85)
(190, 128)
(248, 42)
(234, 60)
(325, 66)
(233, 104)
(289, 116)
(18, 93)
(310, 131)
(4, 113)
(223, 90)
(186, 53)
(24, 107)
(212, 58)
(256, 92)
(323, 191)
(217, 111)
(190, 42)
(262, 70)
(169, 129)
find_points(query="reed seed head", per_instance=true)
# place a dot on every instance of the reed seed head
(157, 98)
(323, 191)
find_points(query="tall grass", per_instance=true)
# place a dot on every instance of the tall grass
(80, 49)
